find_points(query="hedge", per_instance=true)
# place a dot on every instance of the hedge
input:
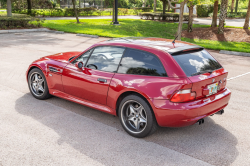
(204, 10)
(169, 16)
(18, 21)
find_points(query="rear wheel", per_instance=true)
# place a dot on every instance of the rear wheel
(38, 85)
(137, 117)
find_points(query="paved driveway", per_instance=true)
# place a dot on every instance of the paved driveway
(59, 132)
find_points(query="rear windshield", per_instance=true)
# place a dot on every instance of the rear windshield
(195, 63)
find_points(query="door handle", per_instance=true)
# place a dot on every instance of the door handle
(102, 80)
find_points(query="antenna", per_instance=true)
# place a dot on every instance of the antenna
(175, 38)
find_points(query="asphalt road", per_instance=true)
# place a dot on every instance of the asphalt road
(59, 132)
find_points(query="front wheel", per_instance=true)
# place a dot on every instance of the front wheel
(137, 117)
(38, 85)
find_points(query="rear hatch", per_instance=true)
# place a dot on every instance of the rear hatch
(203, 70)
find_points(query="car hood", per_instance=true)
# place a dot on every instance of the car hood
(63, 56)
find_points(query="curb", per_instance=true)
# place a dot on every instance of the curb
(29, 30)
(234, 53)
(84, 35)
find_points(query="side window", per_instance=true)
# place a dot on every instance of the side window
(83, 58)
(105, 58)
(141, 63)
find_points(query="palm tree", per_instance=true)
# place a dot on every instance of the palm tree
(223, 14)
(246, 25)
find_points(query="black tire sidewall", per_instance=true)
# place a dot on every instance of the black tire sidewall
(150, 117)
(46, 94)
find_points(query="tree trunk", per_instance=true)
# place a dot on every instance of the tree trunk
(236, 6)
(232, 6)
(155, 3)
(214, 21)
(190, 17)
(246, 25)
(144, 3)
(74, 7)
(168, 8)
(223, 14)
(9, 8)
(180, 20)
(29, 7)
(164, 10)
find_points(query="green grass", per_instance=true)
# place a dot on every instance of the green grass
(139, 28)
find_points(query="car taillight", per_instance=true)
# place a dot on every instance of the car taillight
(183, 96)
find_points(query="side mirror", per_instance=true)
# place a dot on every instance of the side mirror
(79, 65)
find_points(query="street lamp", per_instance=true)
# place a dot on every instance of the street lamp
(116, 13)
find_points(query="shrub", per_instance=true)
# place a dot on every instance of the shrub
(18, 21)
(144, 9)
(204, 10)
(123, 11)
(169, 16)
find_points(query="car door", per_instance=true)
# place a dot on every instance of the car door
(92, 81)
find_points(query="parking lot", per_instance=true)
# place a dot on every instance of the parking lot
(59, 132)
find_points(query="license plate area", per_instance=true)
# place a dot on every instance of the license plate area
(213, 88)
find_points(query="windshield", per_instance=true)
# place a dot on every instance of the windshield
(195, 63)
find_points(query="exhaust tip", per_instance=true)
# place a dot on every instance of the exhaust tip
(199, 122)
(220, 112)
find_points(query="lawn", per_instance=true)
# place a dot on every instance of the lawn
(140, 28)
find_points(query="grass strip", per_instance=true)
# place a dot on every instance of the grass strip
(139, 28)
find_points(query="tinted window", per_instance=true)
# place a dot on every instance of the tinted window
(141, 63)
(192, 63)
(105, 58)
(83, 58)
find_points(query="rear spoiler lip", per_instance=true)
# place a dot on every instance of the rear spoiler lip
(180, 50)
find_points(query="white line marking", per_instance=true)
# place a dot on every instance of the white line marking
(238, 76)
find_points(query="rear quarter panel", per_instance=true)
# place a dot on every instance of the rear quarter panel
(151, 87)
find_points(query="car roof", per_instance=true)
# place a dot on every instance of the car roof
(156, 43)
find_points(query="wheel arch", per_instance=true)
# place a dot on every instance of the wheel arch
(33, 67)
(127, 93)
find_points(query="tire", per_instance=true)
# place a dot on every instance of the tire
(38, 85)
(137, 117)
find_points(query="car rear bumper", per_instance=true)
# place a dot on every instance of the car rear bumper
(169, 114)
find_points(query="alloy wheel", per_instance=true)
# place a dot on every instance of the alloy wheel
(134, 116)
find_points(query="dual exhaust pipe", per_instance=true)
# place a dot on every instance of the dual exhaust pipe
(201, 121)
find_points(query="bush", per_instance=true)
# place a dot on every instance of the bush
(18, 21)
(237, 15)
(169, 16)
(144, 9)
(204, 10)
(123, 11)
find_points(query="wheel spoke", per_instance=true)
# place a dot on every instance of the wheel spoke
(41, 80)
(36, 77)
(132, 109)
(34, 87)
(143, 120)
(130, 118)
(139, 109)
(137, 124)
(41, 88)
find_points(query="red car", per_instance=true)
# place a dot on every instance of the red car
(147, 82)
